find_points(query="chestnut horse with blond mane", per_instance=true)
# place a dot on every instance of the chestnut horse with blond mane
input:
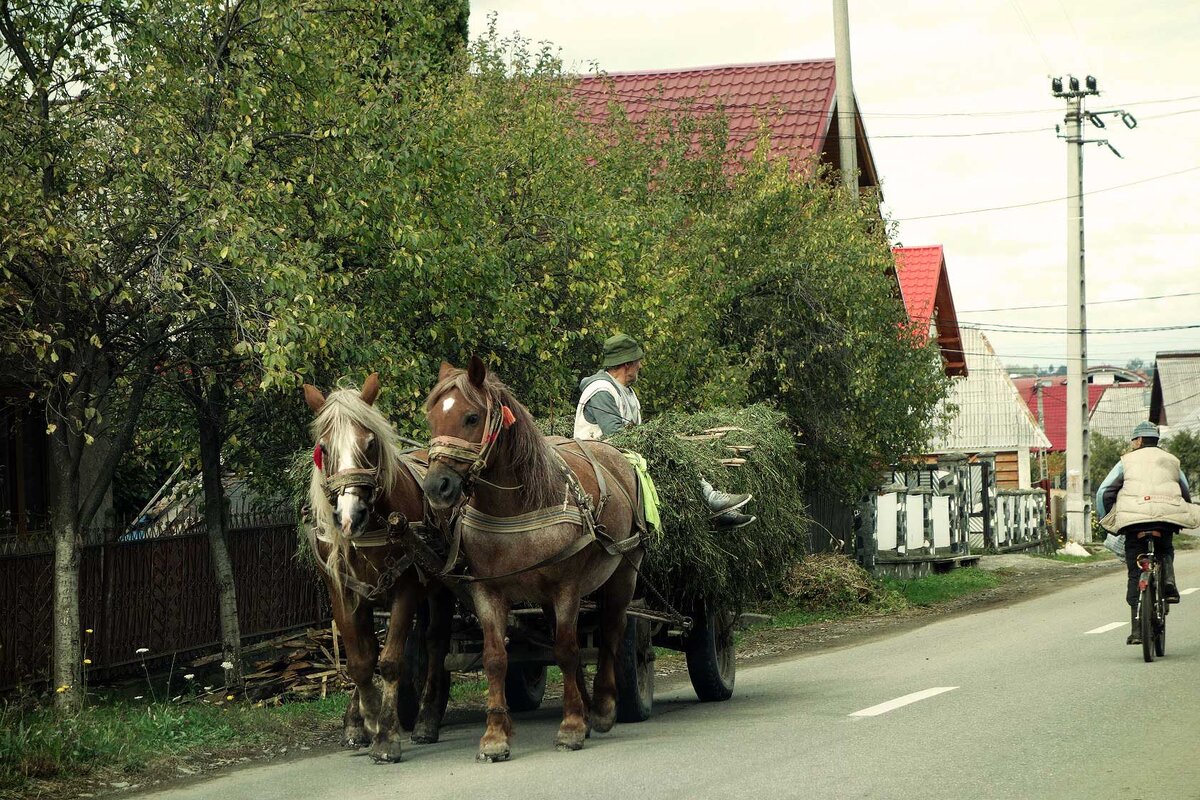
(359, 477)
(536, 523)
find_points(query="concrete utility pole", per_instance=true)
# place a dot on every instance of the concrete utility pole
(1079, 507)
(847, 130)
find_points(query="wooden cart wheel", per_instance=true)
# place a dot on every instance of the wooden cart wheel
(524, 686)
(635, 673)
(711, 659)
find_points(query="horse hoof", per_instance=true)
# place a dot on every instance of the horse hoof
(493, 757)
(385, 752)
(355, 740)
(570, 739)
(425, 737)
(603, 724)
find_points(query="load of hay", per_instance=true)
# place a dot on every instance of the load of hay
(737, 450)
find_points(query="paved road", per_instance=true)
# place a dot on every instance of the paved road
(1014, 702)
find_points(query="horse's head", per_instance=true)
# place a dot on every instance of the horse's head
(354, 457)
(465, 419)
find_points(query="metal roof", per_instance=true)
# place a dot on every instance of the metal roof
(991, 414)
(1176, 394)
(925, 288)
(1119, 409)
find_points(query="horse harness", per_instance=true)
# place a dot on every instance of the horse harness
(383, 536)
(576, 509)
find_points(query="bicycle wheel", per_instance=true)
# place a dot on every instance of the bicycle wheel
(1160, 608)
(1146, 621)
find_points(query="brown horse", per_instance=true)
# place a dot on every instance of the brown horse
(359, 477)
(527, 539)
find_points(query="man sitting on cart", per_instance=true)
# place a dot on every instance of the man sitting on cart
(607, 403)
(1146, 491)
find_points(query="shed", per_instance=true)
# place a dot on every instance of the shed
(1175, 395)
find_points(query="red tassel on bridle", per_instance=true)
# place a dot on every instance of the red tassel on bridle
(507, 418)
(319, 457)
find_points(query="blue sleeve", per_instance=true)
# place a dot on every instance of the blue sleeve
(1115, 474)
(1184, 488)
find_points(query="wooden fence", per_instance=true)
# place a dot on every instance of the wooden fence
(158, 594)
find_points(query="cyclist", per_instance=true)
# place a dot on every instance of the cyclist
(1146, 491)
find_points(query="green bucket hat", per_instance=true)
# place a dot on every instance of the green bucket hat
(1145, 430)
(621, 349)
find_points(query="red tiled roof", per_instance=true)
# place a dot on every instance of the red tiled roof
(925, 288)
(919, 270)
(795, 99)
(1054, 405)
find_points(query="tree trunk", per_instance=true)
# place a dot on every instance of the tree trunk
(67, 659)
(214, 521)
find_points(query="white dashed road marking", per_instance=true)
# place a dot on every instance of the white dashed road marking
(891, 705)
(1190, 591)
(1112, 626)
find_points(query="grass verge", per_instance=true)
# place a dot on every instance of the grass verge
(124, 740)
(933, 589)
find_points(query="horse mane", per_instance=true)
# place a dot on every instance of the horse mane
(334, 425)
(522, 445)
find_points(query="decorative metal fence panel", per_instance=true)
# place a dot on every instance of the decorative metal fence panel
(159, 594)
(945, 511)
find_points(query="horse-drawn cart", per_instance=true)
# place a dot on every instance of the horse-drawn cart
(705, 638)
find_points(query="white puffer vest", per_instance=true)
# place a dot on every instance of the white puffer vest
(627, 404)
(1151, 492)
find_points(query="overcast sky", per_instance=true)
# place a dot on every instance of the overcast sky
(923, 70)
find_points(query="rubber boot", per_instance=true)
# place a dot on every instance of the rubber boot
(1170, 590)
(722, 502)
(1135, 629)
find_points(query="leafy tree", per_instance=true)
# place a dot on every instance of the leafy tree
(1103, 453)
(1185, 445)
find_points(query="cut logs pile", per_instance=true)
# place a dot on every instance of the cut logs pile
(299, 666)
(302, 667)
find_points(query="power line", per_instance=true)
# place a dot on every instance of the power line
(1051, 200)
(823, 110)
(1090, 303)
(1001, 327)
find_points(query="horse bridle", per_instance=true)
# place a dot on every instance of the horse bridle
(475, 454)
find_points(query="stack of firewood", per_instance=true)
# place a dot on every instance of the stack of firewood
(298, 666)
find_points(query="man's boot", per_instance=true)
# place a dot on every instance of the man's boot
(1170, 590)
(1135, 630)
(731, 520)
(722, 502)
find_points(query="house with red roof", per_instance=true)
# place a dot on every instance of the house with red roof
(989, 414)
(1051, 406)
(795, 100)
(925, 288)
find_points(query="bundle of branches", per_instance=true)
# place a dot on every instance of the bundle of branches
(831, 581)
(737, 450)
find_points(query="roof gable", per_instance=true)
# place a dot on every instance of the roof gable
(991, 414)
(796, 100)
(925, 289)
(1054, 405)
(1176, 392)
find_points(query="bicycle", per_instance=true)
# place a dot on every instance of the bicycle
(1152, 604)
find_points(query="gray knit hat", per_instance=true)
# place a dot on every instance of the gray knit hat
(621, 349)
(1145, 430)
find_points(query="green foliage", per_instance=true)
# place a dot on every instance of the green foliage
(933, 589)
(132, 739)
(1103, 454)
(688, 557)
(1185, 446)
